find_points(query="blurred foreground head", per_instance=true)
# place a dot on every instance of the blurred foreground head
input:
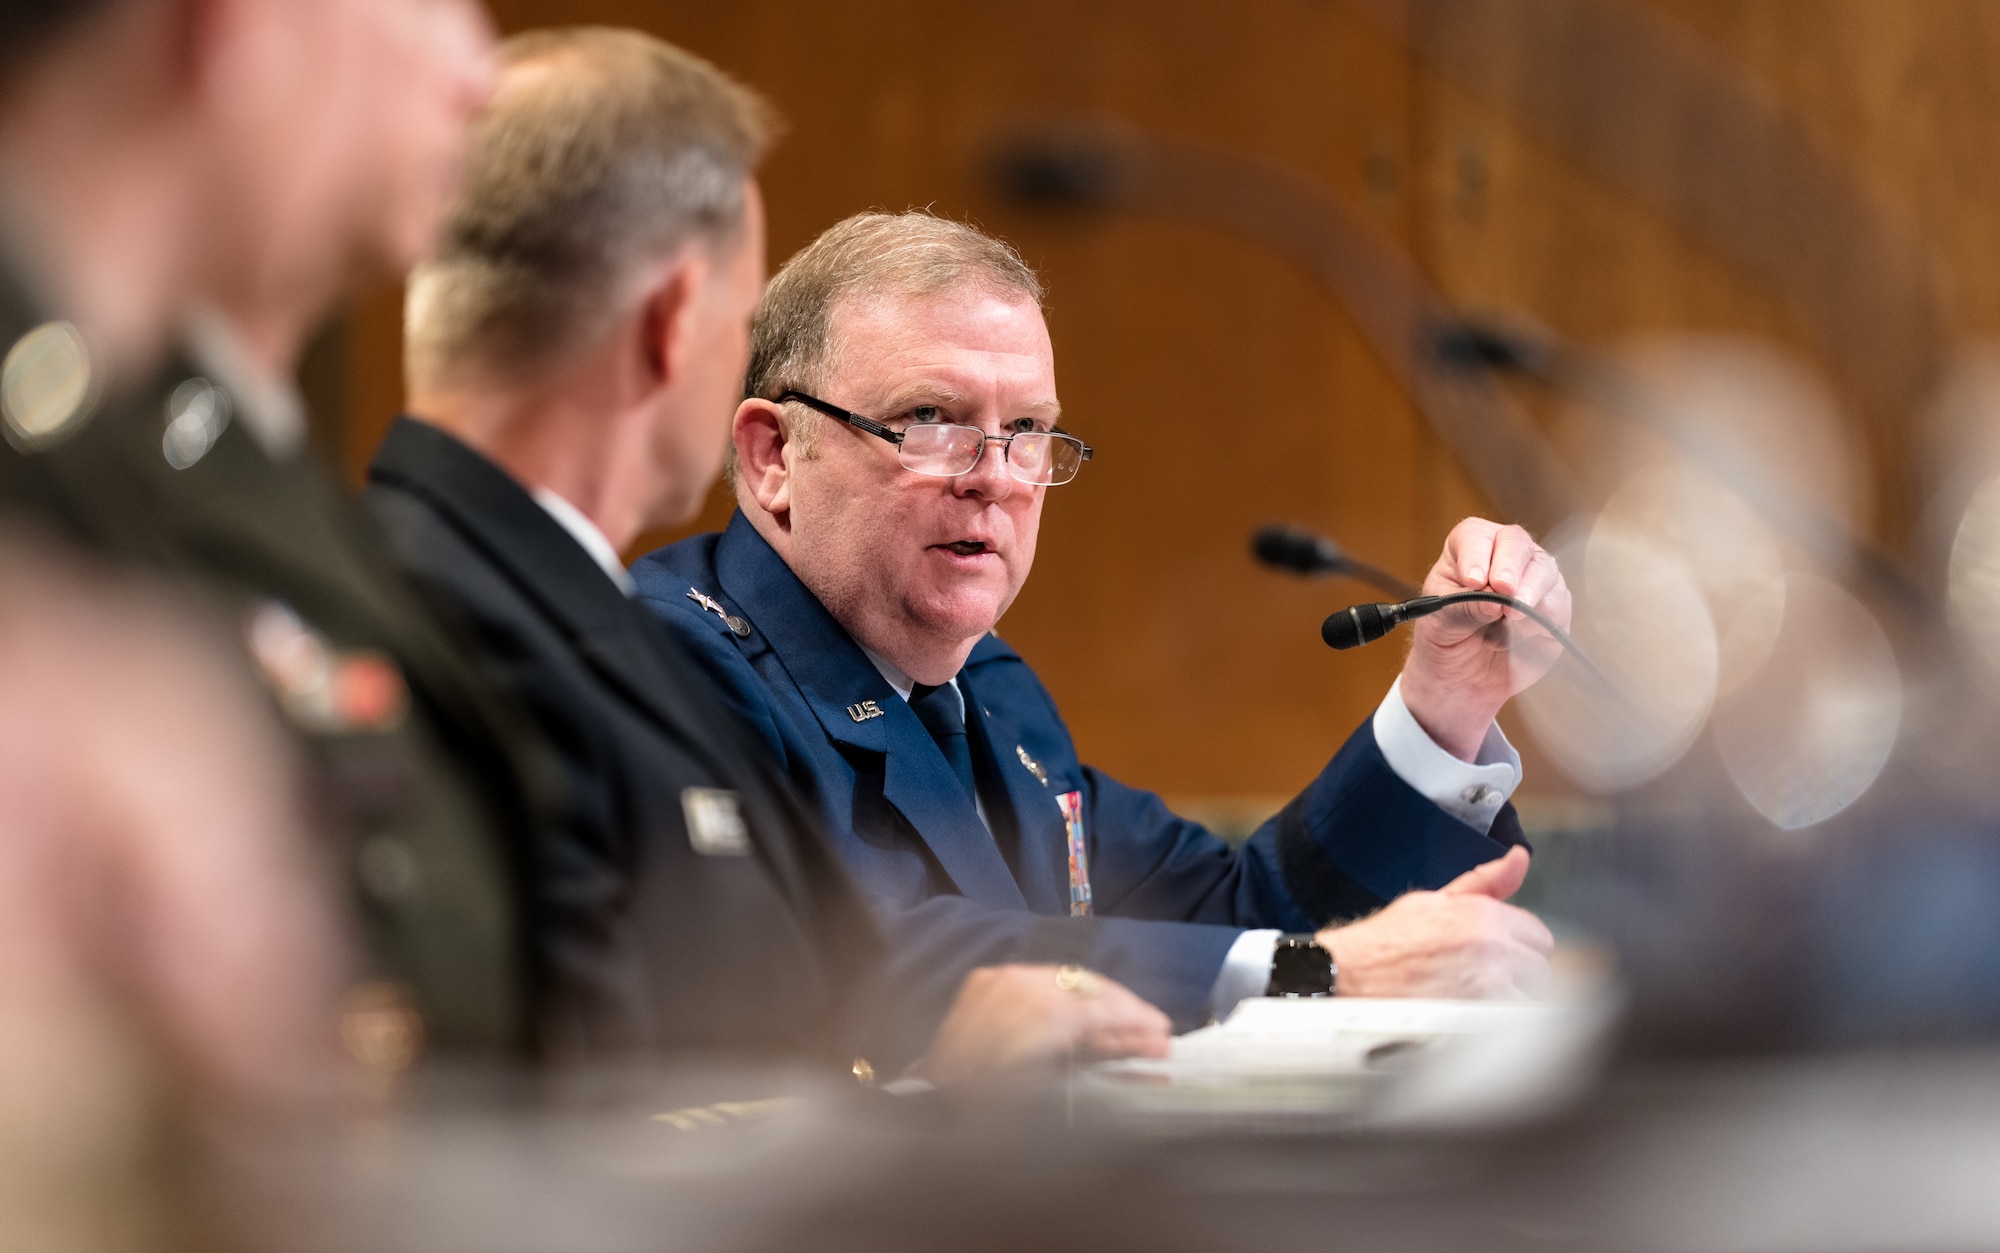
(599, 271)
(256, 155)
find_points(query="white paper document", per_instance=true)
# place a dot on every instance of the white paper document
(1407, 1062)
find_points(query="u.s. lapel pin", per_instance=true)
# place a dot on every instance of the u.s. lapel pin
(864, 711)
(1034, 767)
(737, 626)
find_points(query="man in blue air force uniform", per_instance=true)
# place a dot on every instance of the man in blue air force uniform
(890, 465)
(575, 349)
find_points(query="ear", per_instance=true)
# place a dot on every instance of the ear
(666, 320)
(763, 457)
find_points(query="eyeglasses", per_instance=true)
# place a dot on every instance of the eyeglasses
(948, 449)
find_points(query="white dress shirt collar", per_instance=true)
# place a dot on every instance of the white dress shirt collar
(903, 683)
(588, 536)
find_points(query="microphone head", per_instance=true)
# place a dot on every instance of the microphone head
(1058, 171)
(1296, 551)
(1468, 345)
(1357, 625)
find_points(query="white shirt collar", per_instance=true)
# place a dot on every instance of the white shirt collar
(271, 409)
(588, 536)
(903, 683)
(897, 679)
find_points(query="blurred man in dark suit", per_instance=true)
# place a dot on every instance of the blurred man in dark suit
(575, 350)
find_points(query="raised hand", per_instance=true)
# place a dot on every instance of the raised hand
(1467, 661)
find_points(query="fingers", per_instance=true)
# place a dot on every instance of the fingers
(1513, 549)
(1499, 878)
(1480, 554)
(1468, 553)
(1458, 942)
(1535, 980)
(1120, 1024)
(1540, 577)
(1018, 1020)
(1542, 586)
(1529, 931)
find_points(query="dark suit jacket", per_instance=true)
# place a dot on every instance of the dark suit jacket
(1171, 896)
(652, 942)
(429, 813)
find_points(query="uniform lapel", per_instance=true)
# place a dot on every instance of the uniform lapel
(858, 710)
(1043, 853)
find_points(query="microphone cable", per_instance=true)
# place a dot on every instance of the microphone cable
(1364, 624)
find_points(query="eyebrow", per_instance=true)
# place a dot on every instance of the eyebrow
(904, 397)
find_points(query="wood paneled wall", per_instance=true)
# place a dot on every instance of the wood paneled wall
(1223, 390)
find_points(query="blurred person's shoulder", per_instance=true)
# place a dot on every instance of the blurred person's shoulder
(430, 784)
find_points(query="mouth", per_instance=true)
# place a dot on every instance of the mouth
(968, 547)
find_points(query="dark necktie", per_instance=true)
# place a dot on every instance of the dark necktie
(943, 715)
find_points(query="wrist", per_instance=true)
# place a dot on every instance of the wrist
(1330, 939)
(1449, 712)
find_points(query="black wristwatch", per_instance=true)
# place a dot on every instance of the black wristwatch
(1300, 967)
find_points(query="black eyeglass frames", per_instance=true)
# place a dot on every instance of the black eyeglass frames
(949, 449)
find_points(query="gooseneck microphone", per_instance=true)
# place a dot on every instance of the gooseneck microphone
(1299, 551)
(1364, 624)
(1296, 551)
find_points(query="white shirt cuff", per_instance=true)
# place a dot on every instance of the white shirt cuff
(1246, 971)
(1471, 792)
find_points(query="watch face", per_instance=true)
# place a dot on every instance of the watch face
(1301, 968)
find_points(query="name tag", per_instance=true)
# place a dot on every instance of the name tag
(715, 822)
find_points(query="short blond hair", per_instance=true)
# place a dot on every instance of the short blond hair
(913, 255)
(603, 151)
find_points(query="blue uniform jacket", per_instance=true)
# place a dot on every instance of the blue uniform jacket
(1169, 896)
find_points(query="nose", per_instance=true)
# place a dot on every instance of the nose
(988, 478)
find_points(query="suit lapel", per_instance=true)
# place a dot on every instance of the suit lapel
(547, 564)
(858, 710)
(620, 642)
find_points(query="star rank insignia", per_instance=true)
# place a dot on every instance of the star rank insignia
(737, 626)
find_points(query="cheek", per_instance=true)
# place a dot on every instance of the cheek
(827, 515)
(1027, 529)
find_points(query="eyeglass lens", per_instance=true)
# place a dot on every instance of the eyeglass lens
(947, 449)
